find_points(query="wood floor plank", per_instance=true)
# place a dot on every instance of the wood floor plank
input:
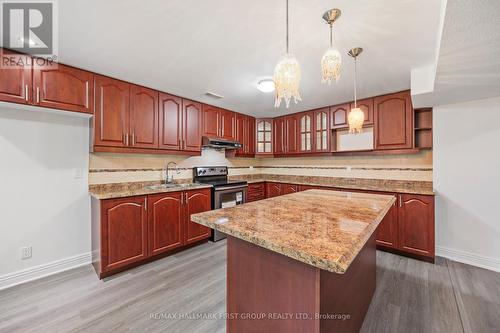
(411, 296)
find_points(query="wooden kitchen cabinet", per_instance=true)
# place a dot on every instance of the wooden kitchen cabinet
(165, 222)
(393, 121)
(273, 189)
(143, 117)
(256, 191)
(245, 134)
(291, 134)
(112, 112)
(387, 230)
(228, 125)
(366, 105)
(416, 224)
(211, 121)
(63, 87)
(322, 135)
(191, 126)
(170, 118)
(306, 143)
(196, 201)
(123, 231)
(15, 81)
(289, 188)
(250, 127)
(279, 136)
(338, 116)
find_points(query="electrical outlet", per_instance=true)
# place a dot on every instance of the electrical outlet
(26, 252)
(78, 173)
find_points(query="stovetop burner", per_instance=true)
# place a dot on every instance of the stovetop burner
(216, 176)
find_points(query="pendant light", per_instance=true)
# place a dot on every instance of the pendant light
(287, 75)
(331, 62)
(356, 117)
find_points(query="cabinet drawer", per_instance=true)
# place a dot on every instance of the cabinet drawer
(256, 192)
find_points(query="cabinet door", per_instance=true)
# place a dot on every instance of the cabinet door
(306, 132)
(228, 127)
(366, 105)
(393, 121)
(196, 201)
(241, 134)
(165, 222)
(273, 190)
(170, 122)
(15, 81)
(123, 232)
(112, 112)
(292, 141)
(211, 121)
(387, 230)
(64, 87)
(256, 191)
(416, 224)
(322, 133)
(279, 135)
(289, 188)
(143, 117)
(250, 127)
(191, 126)
(338, 116)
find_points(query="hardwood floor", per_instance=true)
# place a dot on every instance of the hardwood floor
(411, 296)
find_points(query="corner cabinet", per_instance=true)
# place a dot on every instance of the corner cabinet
(393, 121)
(129, 231)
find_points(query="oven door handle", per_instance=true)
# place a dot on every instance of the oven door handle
(231, 188)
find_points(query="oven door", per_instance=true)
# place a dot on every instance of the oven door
(225, 197)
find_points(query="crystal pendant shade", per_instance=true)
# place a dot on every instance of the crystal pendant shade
(356, 118)
(331, 65)
(287, 80)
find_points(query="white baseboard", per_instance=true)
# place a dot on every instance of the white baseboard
(469, 258)
(37, 272)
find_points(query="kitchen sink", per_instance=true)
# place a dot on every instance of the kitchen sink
(170, 186)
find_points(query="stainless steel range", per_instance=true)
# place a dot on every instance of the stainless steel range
(225, 192)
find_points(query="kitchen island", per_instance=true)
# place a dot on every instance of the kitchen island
(303, 262)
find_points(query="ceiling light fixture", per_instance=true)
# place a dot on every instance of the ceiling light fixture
(331, 62)
(266, 85)
(356, 116)
(287, 75)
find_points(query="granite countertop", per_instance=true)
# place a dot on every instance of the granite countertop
(121, 190)
(383, 185)
(321, 228)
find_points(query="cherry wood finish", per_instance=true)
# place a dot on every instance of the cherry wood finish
(260, 281)
(289, 188)
(338, 115)
(211, 121)
(64, 88)
(306, 132)
(165, 222)
(291, 134)
(416, 224)
(124, 236)
(245, 134)
(273, 190)
(196, 201)
(240, 133)
(387, 231)
(15, 81)
(366, 105)
(228, 124)
(143, 117)
(262, 122)
(321, 127)
(170, 129)
(393, 121)
(112, 112)
(256, 191)
(191, 125)
(250, 130)
(279, 135)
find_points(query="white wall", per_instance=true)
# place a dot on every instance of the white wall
(467, 181)
(42, 203)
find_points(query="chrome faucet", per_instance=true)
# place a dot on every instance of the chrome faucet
(168, 177)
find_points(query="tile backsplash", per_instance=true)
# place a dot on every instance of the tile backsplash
(115, 168)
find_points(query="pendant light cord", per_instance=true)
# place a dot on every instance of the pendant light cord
(287, 46)
(331, 33)
(355, 75)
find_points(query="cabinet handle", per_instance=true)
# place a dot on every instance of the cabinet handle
(126, 139)
(133, 139)
(400, 201)
(87, 94)
(37, 95)
(146, 203)
(222, 130)
(26, 93)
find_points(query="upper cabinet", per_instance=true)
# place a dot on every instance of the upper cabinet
(321, 130)
(228, 125)
(393, 121)
(338, 116)
(143, 117)
(111, 120)
(366, 105)
(64, 88)
(170, 116)
(191, 126)
(291, 131)
(279, 135)
(219, 123)
(264, 136)
(15, 82)
(245, 134)
(306, 132)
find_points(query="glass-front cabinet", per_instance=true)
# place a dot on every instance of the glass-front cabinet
(322, 135)
(305, 128)
(264, 136)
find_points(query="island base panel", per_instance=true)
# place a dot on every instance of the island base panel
(269, 292)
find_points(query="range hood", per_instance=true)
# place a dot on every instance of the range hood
(220, 143)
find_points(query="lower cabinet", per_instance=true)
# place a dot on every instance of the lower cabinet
(127, 231)
(387, 231)
(289, 188)
(256, 191)
(273, 190)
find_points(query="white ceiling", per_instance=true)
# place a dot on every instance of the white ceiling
(189, 47)
(468, 67)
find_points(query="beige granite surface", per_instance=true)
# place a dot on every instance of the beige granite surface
(385, 185)
(121, 190)
(321, 228)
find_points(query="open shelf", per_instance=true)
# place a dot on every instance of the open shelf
(423, 128)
